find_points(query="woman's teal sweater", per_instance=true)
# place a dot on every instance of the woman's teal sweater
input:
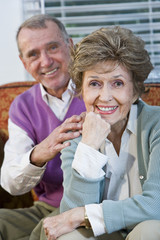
(79, 191)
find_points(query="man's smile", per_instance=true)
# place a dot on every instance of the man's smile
(51, 72)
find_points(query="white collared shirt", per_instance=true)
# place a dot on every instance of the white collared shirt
(58, 106)
(122, 176)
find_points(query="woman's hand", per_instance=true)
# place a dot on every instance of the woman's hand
(95, 130)
(63, 223)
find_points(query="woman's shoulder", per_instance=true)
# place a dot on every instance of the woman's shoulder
(150, 109)
(73, 145)
(148, 114)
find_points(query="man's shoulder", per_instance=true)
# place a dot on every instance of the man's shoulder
(28, 95)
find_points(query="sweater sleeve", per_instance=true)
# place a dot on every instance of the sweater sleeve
(78, 191)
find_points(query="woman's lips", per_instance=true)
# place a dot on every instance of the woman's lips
(106, 109)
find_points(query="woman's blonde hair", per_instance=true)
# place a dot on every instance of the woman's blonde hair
(116, 44)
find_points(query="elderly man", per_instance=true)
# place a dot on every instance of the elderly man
(40, 120)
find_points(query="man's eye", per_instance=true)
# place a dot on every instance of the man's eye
(32, 54)
(53, 47)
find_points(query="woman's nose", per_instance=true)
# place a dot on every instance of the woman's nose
(105, 94)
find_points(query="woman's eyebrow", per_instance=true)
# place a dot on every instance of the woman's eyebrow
(93, 77)
(117, 76)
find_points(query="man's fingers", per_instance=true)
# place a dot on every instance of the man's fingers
(73, 119)
(61, 143)
(65, 127)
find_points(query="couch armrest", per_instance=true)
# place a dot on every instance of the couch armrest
(7, 94)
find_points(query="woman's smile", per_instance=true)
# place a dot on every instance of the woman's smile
(106, 109)
(108, 90)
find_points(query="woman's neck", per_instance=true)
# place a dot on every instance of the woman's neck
(116, 134)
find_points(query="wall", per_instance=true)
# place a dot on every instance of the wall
(11, 69)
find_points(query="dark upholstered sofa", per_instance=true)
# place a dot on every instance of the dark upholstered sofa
(7, 93)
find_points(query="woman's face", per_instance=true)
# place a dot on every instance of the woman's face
(108, 90)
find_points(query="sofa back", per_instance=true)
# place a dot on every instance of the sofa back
(152, 95)
(7, 94)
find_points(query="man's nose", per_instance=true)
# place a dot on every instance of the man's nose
(46, 60)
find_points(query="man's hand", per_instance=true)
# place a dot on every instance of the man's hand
(64, 223)
(55, 142)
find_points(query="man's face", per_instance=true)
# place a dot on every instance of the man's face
(45, 55)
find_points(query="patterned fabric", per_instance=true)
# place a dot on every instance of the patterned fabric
(152, 95)
(7, 94)
(1, 151)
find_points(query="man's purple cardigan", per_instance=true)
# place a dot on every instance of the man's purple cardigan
(33, 115)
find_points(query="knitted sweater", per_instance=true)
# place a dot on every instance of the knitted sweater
(33, 115)
(79, 191)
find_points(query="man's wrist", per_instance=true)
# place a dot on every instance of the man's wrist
(33, 162)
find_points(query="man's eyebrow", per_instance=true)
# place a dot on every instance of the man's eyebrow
(30, 52)
(52, 43)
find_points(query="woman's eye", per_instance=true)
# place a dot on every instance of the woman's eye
(94, 84)
(118, 83)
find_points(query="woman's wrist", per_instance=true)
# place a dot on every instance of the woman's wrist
(85, 223)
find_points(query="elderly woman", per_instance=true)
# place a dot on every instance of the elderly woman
(111, 172)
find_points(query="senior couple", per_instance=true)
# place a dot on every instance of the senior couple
(109, 155)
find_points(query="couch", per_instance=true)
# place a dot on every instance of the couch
(7, 93)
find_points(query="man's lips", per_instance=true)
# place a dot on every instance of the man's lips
(106, 109)
(50, 72)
